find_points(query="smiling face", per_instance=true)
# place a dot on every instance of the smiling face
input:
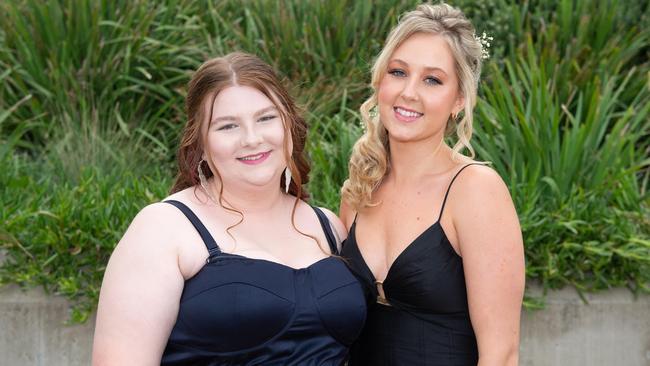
(245, 138)
(420, 89)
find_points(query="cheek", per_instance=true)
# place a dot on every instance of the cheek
(441, 103)
(275, 134)
(220, 146)
(386, 92)
(274, 137)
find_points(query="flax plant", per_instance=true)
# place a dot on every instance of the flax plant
(330, 143)
(572, 165)
(114, 64)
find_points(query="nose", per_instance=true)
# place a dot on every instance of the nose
(409, 92)
(252, 136)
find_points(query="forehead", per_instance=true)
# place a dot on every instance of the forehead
(425, 50)
(239, 100)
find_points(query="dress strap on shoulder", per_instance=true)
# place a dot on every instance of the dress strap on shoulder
(208, 240)
(327, 229)
(444, 201)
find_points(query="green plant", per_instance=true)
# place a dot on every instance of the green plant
(58, 233)
(330, 144)
(115, 65)
(572, 169)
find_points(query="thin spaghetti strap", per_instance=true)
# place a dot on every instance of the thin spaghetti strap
(327, 229)
(208, 240)
(444, 201)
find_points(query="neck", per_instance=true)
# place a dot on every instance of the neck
(410, 161)
(250, 200)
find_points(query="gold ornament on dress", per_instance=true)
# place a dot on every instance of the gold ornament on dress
(381, 297)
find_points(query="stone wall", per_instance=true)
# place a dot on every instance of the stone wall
(613, 329)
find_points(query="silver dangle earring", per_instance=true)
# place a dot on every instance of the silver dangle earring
(287, 179)
(204, 181)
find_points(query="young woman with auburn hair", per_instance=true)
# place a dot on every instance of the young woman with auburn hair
(433, 235)
(234, 267)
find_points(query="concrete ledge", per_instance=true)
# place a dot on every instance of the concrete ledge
(33, 333)
(613, 329)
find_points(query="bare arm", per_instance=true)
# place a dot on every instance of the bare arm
(491, 245)
(138, 303)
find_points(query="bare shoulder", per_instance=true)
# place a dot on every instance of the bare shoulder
(480, 184)
(151, 234)
(156, 219)
(165, 218)
(336, 223)
(157, 211)
(482, 209)
(142, 286)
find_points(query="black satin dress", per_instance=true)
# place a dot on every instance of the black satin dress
(424, 317)
(244, 311)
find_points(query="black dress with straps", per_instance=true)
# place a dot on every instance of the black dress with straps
(424, 317)
(245, 311)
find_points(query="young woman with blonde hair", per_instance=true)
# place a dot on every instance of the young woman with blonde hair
(433, 234)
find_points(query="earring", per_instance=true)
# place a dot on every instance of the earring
(373, 111)
(204, 181)
(287, 179)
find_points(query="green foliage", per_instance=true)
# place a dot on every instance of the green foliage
(113, 65)
(567, 127)
(330, 143)
(59, 233)
(91, 108)
(120, 66)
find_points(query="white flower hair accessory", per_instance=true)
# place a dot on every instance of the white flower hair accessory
(484, 40)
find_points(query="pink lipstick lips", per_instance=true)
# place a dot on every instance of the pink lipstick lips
(406, 115)
(254, 159)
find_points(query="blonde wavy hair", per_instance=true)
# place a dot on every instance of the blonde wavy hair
(370, 162)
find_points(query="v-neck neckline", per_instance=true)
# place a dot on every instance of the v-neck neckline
(353, 233)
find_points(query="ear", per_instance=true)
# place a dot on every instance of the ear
(460, 104)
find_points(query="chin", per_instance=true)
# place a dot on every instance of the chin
(403, 135)
(260, 180)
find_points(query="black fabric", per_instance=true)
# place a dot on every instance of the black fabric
(246, 311)
(327, 229)
(427, 321)
(210, 243)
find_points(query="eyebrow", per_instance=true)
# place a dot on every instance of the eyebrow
(427, 68)
(255, 115)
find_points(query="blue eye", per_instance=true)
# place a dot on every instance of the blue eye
(397, 72)
(432, 81)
